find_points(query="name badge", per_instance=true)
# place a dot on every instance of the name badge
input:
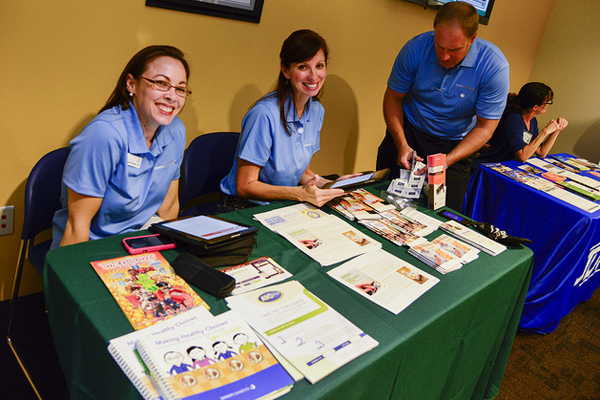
(527, 137)
(134, 161)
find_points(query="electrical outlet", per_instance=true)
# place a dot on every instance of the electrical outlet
(7, 220)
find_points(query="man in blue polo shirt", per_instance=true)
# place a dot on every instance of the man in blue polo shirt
(446, 93)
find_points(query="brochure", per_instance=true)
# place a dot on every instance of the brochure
(386, 280)
(312, 336)
(473, 238)
(444, 253)
(393, 232)
(256, 274)
(325, 238)
(218, 358)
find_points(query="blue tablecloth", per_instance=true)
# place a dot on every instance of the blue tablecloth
(566, 243)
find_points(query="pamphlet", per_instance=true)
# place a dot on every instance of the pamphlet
(256, 274)
(325, 238)
(473, 238)
(395, 233)
(122, 349)
(218, 358)
(386, 280)
(146, 288)
(444, 253)
(312, 336)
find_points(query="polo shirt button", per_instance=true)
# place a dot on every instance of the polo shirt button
(300, 130)
(462, 95)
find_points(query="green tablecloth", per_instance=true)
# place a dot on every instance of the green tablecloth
(452, 343)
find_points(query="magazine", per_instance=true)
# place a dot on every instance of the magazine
(146, 288)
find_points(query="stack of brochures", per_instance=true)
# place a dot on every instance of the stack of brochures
(198, 356)
(473, 238)
(313, 337)
(444, 254)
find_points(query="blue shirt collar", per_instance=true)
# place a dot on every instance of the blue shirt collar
(135, 134)
(292, 115)
(468, 61)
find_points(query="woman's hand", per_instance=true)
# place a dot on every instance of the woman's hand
(313, 194)
(562, 123)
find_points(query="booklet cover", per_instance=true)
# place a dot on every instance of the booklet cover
(219, 358)
(146, 288)
(312, 336)
(122, 349)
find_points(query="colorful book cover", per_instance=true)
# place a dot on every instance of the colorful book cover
(146, 288)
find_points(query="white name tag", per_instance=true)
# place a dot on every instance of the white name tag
(527, 137)
(134, 161)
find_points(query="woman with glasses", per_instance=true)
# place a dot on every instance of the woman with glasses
(517, 136)
(281, 133)
(123, 168)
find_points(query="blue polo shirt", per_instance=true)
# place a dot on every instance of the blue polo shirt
(511, 137)
(264, 142)
(110, 159)
(445, 102)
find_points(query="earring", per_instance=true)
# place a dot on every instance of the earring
(130, 94)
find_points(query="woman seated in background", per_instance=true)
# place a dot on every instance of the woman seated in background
(281, 132)
(517, 136)
(123, 168)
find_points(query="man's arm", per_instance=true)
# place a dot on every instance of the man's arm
(393, 114)
(474, 140)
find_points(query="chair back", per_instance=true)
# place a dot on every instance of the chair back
(208, 159)
(42, 193)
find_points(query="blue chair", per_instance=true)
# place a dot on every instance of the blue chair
(42, 200)
(207, 160)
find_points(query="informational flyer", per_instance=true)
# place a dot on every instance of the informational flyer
(312, 336)
(256, 274)
(385, 279)
(325, 238)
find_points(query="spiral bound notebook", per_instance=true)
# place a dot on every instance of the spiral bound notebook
(220, 358)
(122, 349)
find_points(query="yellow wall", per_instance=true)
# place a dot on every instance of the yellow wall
(60, 60)
(568, 62)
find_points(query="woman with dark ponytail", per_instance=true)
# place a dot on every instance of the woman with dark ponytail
(517, 136)
(281, 133)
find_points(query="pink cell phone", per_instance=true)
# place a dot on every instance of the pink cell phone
(147, 243)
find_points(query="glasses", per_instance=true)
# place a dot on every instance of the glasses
(547, 103)
(164, 86)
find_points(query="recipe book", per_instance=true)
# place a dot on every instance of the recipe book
(122, 349)
(218, 358)
(146, 288)
(311, 335)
